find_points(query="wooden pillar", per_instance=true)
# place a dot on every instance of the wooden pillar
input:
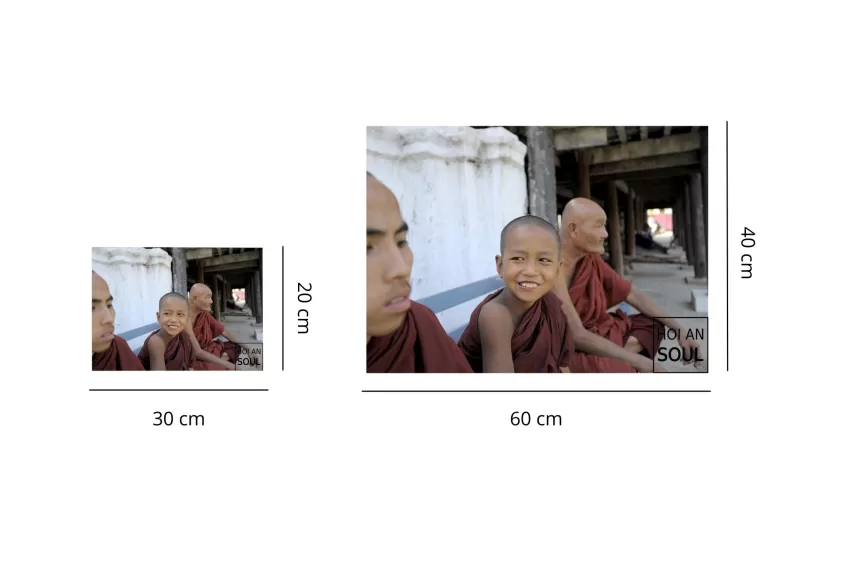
(225, 295)
(615, 243)
(674, 219)
(683, 223)
(583, 174)
(178, 271)
(630, 224)
(697, 212)
(200, 271)
(259, 315)
(677, 222)
(689, 224)
(640, 216)
(258, 297)
(542, 200)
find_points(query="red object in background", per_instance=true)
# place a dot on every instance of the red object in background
(663, 218)
(240, 294)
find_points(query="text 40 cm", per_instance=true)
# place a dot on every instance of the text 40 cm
(747, 259)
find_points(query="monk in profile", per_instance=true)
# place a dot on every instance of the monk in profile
(206, 329)
(589, 287)
(522, 328)
(108, 351)
(402, 336)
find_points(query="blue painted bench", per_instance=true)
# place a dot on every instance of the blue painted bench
(453, 297)
(136, 332)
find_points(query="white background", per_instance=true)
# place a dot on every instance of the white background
(204, 124)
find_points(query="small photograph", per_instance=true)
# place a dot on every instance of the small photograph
(177, 309)
(505, 249)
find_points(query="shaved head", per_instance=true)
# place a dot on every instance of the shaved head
(99, 289)
(173, 295)
(579, 209)
(529, 258)
(200, 298)
(199, 289)
(389, 260)
(375, 188)
(583, 227)
(97, 279)
(102, 315)
(528, 220)
(173, 315)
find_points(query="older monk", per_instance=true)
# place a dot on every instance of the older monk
(108, 351)
(402, 336)
(588, 287)
(206, 329)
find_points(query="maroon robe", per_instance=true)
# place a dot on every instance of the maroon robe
(119, 357)
(595, 288)
(541, 342)
(179, 353)
(419, 345)
(206, 329)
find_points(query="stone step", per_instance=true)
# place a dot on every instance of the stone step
(699, 300)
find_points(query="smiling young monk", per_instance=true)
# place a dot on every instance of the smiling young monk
(171, 347)
(402, 336)
(588, 287)
(108, 351)
(206, 329)
(522, 327)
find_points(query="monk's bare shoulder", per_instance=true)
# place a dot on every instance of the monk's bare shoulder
(496, 329)
(156, 344)
(495, 317)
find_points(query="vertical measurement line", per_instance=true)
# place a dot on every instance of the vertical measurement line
(283, 312)
(727, 245)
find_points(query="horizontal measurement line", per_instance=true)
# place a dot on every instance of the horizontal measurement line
(178, 389)
(536, 391)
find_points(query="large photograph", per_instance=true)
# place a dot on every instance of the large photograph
(177, 309)
(537, 249)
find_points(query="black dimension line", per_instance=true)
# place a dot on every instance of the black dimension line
(727, 245)
(536, 391)
(178, 389)
(282, 311)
